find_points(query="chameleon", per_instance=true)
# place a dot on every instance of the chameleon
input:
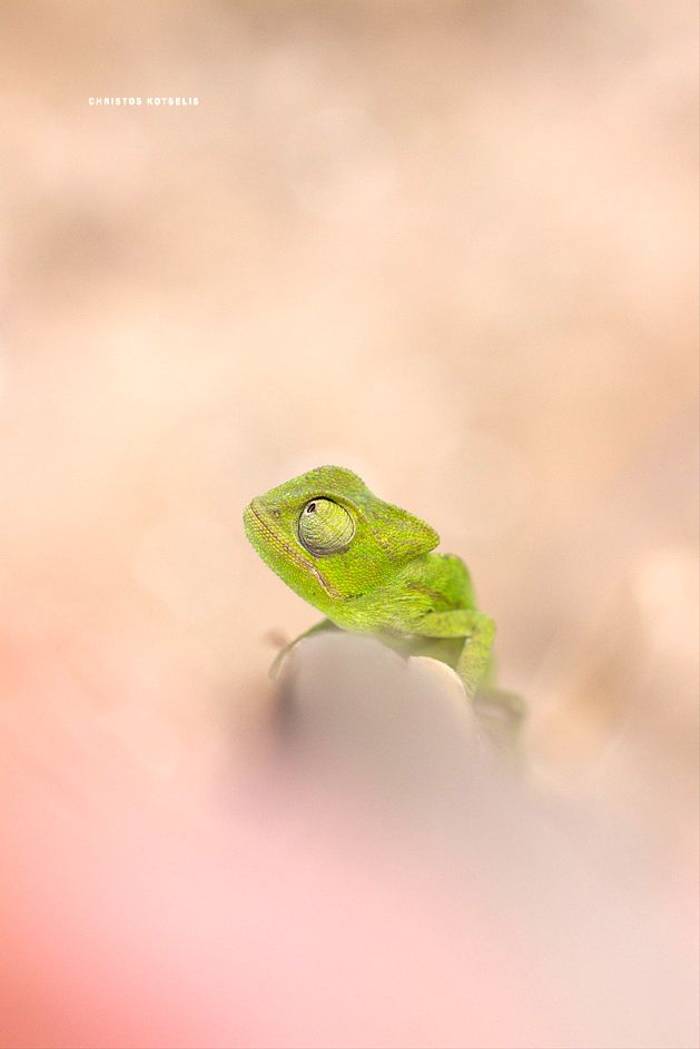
(370, 567)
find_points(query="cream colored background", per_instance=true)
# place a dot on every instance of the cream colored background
(452, 246)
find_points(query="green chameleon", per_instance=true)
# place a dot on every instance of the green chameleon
(370, 568)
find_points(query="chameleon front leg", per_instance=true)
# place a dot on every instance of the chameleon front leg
(477, 629)
(317, 628)
(500, 713)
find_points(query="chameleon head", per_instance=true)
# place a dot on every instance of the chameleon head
(330, 539)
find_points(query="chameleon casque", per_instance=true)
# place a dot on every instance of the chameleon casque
(370, 568)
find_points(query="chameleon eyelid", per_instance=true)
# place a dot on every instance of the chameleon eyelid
(333, 537)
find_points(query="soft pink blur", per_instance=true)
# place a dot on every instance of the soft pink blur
(454, 247)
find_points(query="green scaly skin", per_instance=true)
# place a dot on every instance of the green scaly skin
(369, 568)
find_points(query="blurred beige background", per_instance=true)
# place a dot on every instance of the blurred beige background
(452, 246)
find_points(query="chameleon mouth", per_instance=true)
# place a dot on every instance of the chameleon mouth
(261, 523)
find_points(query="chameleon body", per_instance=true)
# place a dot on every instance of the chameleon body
(370, 567)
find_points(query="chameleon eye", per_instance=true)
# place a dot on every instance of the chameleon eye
(325, 527)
